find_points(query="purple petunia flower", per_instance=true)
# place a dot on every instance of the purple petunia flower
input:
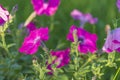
(118, 4)
(47, 7)
(62, 59)
(4, 15)
(33, 41)
(31, 26)
(77, 15)
(86, 39)
(113, 41)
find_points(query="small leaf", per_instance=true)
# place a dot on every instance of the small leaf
(16, 66)
(10, 45)
(60, 45)
(62, 77)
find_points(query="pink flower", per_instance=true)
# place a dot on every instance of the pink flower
(87, 40)
(47, 7)
(118, 4)
(77, 15)
(62, 58)
(33, 41)
(113, 41)
(4, 14)
(31, 26)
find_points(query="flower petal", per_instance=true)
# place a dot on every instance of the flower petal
(52, 7)
(38, 6)
(76, 14)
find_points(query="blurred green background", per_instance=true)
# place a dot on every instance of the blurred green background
(105, 10)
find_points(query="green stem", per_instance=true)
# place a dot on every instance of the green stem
(85, 63)
(4, 44)
(51, 24)
(115, 23)
(77, 53)
(91, 57)
(30, 18)
(44, 47)
(116, 74)
(89, 60)
(77, 58)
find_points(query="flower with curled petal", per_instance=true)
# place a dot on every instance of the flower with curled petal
(4, 15)
(77, 15)
(112, 42)
(33, 40)
(62, 59)
(86, 39)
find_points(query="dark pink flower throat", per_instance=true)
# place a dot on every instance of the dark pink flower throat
(45, 1)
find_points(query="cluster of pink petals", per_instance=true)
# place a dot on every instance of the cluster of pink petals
(4, 15)
(87, 40)
(33, 41)
(31, 26)
(62, 59)
(77, 15)
(118, 4)
(47, 7)
(113, 41)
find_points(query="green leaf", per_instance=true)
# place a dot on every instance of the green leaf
(10, 45)
(111, 60)
(60, 45)
(16, 66)
(62, 77)
(83, 71)
(71, 66)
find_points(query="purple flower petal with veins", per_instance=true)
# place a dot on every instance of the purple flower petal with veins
(33, 41)
(47, 7)
(113, 41)
(87, 40)
(77, 15)
(4, 15)
(62, 59)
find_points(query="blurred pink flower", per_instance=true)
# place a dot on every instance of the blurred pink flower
(62, 59)
(118, 4)
(113, 41)
(77, 15)
(33, 41)
(87, 40)
(47, 7)
(31, 26)
(4, 15)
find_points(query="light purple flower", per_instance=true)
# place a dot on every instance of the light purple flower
(113, 41)
(118, 4)
(4, 15)
(77, 15)
(62, 59)
(86, 39)
(33, 41)
(31, 26)
(47, 7)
